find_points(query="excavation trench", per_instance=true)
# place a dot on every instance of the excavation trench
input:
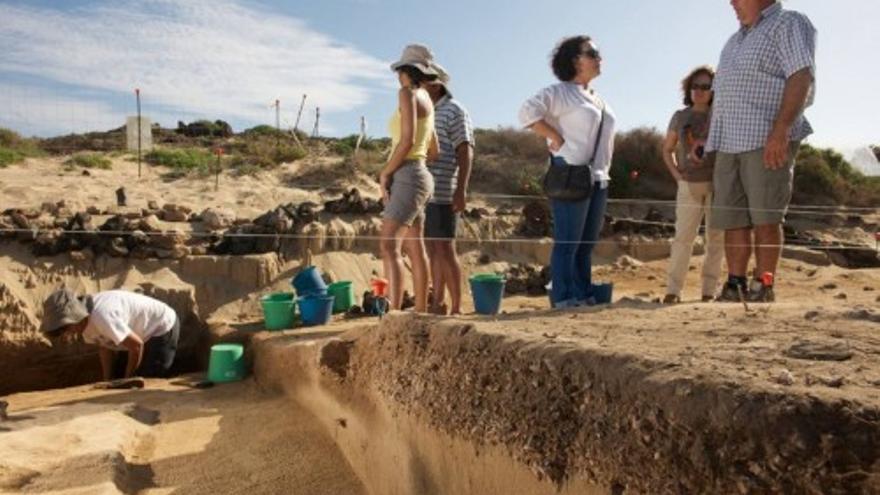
(418, 406)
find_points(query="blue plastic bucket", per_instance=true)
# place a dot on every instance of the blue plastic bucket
(315, 310)
(309, 282)
(487, 290)
(602, 293)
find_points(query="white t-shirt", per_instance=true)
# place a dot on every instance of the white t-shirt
(574, 112)
(118, 313)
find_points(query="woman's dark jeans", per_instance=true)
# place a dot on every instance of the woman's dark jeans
(576, 227)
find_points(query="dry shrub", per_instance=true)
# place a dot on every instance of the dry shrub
(508, 161)
(637, 168)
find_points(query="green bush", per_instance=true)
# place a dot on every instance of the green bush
(823, 176)
(183, 160)
(265, 130)
(89, 160)
(9, 156)
(14, 148)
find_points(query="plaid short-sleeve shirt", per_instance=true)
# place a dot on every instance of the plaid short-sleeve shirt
(755, 64)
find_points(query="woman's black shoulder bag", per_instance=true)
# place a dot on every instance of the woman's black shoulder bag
(572, 182)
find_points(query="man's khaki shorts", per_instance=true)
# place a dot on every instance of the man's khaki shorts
(747, 193)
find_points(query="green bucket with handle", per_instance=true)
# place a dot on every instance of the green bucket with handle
(344, 294)
(226, 363)
(279, 310)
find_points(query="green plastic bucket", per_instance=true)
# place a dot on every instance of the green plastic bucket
(344, 294)
(226, 363)
(279, 310)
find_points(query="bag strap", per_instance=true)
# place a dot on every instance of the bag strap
(598, 135)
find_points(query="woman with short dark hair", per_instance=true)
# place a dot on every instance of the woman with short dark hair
(683, 153)
(579, 128)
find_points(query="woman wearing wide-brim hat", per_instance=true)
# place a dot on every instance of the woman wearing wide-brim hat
(406, 183)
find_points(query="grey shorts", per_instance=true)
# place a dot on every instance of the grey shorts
(747, 193)
(440, 221)
(411, 187)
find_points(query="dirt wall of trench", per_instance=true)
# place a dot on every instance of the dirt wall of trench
(564, 415)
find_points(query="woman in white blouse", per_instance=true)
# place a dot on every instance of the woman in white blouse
(571, 116)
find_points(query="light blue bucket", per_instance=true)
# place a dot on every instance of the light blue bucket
(488, 290)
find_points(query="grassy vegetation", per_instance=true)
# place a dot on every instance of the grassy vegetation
(183, 161)
(14, 148)
(89, 160)
(265, 151)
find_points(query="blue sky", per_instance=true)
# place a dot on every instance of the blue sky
(72, 65)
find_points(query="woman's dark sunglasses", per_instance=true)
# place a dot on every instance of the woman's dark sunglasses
(701, 87)
(592, 53)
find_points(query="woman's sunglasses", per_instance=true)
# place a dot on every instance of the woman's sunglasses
(701, 87)
(592, 53)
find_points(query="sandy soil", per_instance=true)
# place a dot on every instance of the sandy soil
(46, 179)
(165, 439)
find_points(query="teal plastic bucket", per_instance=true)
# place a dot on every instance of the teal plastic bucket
(343, 292)
(279, 310)
(226, 363)
(487, 290)
(316, 310)
(603, 292)
(309, 282)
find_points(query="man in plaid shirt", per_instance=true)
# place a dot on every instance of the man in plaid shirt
(765, 80)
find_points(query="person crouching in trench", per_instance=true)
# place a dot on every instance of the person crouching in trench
(144, 329)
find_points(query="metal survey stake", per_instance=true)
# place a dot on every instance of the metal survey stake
(137, 94)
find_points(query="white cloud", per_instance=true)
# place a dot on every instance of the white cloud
(36, 111)
(214, 58)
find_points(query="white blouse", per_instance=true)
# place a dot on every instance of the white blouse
(574, 112)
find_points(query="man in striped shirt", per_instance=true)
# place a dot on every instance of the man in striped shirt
(764, 82)
(451, 171)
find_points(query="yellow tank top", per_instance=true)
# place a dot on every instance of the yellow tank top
(424, 131)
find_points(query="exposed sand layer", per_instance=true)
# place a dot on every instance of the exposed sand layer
(168, 439)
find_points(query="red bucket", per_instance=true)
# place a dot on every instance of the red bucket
(380, 287)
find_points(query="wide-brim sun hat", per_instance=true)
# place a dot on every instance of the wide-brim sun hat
(60, 309)
(420, 57)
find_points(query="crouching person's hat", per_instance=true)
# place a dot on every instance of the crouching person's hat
(60, 309)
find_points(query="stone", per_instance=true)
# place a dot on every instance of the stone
(811, 350)
(153, 204)
(175, 213)
(167, 240)
(93, 210)
(785, 377)
(117, 248)
(150, 223)
(217, 218)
